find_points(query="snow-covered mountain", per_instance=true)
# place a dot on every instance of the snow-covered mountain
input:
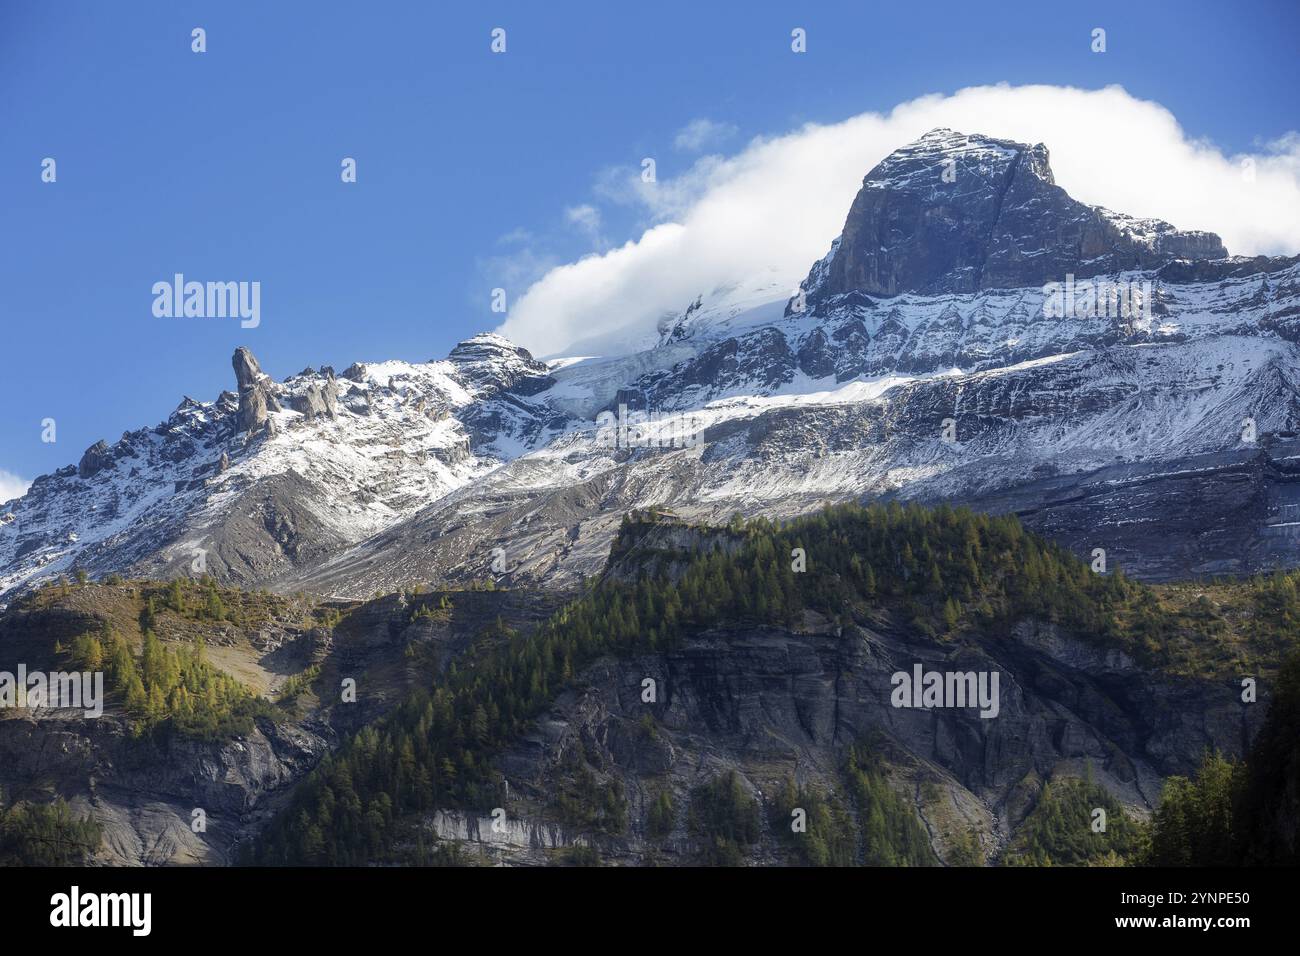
(973, 334)
(276, 474)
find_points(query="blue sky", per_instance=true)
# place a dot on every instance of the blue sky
(225, 165)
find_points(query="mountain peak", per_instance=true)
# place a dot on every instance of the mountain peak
(491, 362)
(487, 339)
(256, 391)
(942, 139)
(956, 212)
(943, 156)
(247, 371)
(488, 347)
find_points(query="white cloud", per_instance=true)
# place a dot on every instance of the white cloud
(586, 218)
(515, 272)
(774, 207)
(665, 199)
(701, 134)
(11, 486)
(515, 236)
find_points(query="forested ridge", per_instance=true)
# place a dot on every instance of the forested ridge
(150, 640)
(170, 689)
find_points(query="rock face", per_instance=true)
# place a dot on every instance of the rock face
(492, 363)
(775, 703)
(256, 391)
(317, 400)
(144, 806)
(955, 213)
(96, 459)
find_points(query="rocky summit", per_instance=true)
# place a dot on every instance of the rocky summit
(956, 213)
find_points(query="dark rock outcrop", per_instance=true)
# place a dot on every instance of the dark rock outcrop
(772, 703)
(491, 363)
(1217, 270)
(256, 391)
(96, 459)
(761, 360)
(955, 213)
(318, 400)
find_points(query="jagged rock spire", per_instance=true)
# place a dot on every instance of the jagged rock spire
(256, 391)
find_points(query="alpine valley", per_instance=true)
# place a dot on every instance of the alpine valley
(499, 552)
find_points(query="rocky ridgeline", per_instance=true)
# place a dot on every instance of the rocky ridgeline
(277, 472)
